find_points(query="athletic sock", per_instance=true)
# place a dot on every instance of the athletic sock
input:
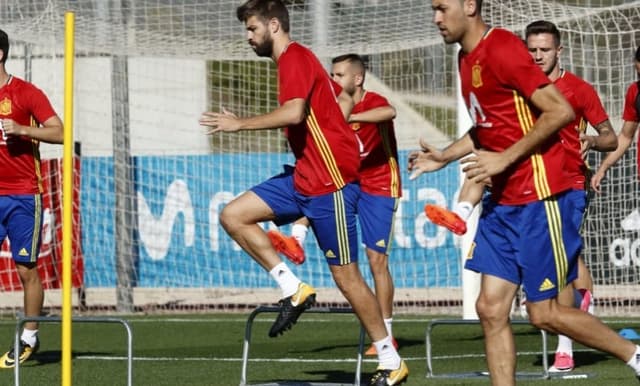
(463, 209)
(299, 232)
(287, 281)
(387, 324)
(634, 362)
(591, 309)
(565, 345)
(29, 336)
(388, 357)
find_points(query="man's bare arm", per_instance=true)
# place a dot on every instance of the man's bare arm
(292, 112)
(606, 139)
(625, 138)
(375, 115)
(556, 113)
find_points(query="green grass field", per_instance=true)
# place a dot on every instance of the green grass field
(206, 349)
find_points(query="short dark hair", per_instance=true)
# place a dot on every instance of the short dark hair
(353, 59)
(638, 54)
(543, 27)
(265, 10)
(4, 46)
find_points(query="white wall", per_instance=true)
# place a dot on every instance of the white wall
(166, 96)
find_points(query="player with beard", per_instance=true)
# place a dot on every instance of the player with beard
(543, 42)
(379, 176)
(526, 234)
(322, 185)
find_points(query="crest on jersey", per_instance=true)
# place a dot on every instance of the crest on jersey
(5, 106)
(476, 76)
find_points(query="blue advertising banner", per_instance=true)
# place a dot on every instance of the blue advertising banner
(180, 242)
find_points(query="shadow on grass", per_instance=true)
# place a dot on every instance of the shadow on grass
(42, 358)
(319, 377)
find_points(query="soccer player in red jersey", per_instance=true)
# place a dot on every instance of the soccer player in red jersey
(372, 119)
(26, 118)
(526, 234)
(631, 118)
(543, 42)
(321, 187)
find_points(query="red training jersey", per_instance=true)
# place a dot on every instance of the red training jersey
(325, 147)
(498, 77)
(588, 109)
(631, 112)
(379, 170)
(20, 156)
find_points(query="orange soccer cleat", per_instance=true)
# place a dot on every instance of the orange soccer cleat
(446, 218)
(288, 246)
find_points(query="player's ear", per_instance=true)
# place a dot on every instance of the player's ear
(273, 25)
(470, 7)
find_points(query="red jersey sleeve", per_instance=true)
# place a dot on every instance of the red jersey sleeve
(517, 68)
(293, 81)
(39, 105)
(630, 113)
(594, 111)
(375, 101)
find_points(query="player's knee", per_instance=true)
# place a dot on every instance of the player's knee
(28, 273)
(489, 311)
(229, 218)
(348, 278)
(541, 315)
(378, 263)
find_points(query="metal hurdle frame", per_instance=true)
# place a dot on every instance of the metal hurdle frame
(78, 319)
(321, 310)
(430, 374)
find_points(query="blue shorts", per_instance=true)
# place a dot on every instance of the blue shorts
(376, 214)
(21, 222)
(580, 201)
(332, 215)
(535, 244)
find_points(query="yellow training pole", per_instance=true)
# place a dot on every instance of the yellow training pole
(67, 196)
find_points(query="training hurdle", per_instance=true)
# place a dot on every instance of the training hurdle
(77, 319)
(478, 374)
(317, 310)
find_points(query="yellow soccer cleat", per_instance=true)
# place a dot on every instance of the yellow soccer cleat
(386, 377)
(26, 351)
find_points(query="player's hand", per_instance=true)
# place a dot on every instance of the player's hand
(11, 129)
(427, 159)
(587, 142)
(483, 164)
(596, 180)
(224, 121)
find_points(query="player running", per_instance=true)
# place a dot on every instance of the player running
(526, 233)
(543, 42)
(379, 176)
(321, 187)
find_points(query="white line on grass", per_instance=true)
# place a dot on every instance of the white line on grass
(294, 360)
(631, 322)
